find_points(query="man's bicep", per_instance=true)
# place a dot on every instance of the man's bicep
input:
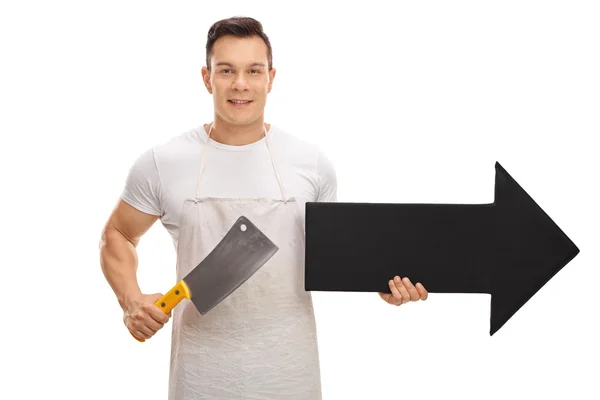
(130, 222)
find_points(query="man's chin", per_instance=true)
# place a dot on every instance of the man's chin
(237, 121)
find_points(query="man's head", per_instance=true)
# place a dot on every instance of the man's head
(239, 69)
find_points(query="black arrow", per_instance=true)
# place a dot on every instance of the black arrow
(509, 248)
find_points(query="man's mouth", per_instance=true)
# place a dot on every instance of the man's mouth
(241, 102)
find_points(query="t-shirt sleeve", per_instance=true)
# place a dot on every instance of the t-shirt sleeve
(142, 186)
(327, 179)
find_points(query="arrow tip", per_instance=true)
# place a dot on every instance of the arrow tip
(529, 249)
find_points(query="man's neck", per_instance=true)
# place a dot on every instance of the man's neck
(236, 135)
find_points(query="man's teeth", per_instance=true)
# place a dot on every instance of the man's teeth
(240, 101)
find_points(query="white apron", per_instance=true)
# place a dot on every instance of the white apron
(260, 342)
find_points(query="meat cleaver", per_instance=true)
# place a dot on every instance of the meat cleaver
(241, 252)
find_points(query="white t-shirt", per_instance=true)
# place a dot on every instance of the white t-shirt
(163, 177)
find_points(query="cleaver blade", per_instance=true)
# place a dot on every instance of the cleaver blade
(243, 250)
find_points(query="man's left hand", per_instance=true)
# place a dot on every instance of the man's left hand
(403, 291)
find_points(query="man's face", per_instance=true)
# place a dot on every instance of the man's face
(239, 79)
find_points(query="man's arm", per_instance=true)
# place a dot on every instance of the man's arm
(118, 255)
(119, 262)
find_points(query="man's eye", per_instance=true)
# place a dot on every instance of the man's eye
(225, 71)
(255, 71)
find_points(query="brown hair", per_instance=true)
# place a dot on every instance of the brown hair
(240, 27)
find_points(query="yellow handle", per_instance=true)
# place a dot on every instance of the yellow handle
(170, 300)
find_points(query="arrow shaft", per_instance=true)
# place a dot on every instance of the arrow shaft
(362, 246)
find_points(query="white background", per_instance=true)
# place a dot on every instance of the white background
(413, 102)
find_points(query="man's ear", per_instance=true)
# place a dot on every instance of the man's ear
(206, 79)
(271, 78)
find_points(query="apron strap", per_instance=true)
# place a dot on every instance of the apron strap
(205, 154)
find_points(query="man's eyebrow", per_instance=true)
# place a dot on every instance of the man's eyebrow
(256, 64)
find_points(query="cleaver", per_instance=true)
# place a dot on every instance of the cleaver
(243, 250)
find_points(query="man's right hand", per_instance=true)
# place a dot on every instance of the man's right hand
(142, 317)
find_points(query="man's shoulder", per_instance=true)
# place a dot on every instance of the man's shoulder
(307, 156)
(176, 148)
(296, 146)
(186, 141)
(172, 154)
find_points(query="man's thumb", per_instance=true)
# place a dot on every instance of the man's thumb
(155, 297)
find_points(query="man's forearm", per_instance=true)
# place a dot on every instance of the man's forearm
(118, 258)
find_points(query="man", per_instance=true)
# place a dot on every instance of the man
(260, 342)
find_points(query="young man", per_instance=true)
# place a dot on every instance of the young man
(260, 342)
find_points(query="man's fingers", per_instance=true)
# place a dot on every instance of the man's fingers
(153, 324)
(144, 327)
(143, 319)
(156, 312)
(412, 291)
(143, 332)
(402, 290)
(422, 292)
(138, 334)
(396, 296)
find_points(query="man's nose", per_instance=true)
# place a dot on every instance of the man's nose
(240, 82)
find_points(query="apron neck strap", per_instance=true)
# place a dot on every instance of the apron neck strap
(208, 146)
